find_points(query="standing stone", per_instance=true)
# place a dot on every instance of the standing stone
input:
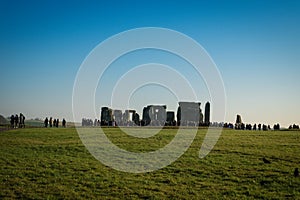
(238, 119)
(207, 114)
(188, 113)
(238, 122)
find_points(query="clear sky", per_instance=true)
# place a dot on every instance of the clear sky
(255, 45)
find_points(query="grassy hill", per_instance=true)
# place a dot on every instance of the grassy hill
(53, 163)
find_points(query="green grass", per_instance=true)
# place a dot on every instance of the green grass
(42, 163)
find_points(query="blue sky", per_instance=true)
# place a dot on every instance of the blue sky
(255, 44)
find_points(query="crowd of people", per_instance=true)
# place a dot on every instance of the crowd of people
(237, 126)
(294, 126)
(90, 122)
(53, 122)
(17, 121)
(242, 126)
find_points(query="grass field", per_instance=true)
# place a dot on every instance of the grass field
(40, 163)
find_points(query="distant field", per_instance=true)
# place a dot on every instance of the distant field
(34, 123)
(52, 163)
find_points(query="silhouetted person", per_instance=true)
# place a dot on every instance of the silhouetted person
(264, 127)
(295, 126)
(64, 122)
(50, 122)
(254, 127)
(243, 126)
(23, 121)
(16, 121)
(12, 121)
(57, 122)
(266, 161)
(250, 127)
(46, 122)
(54, 122)
(259, 127)
(296, 172)
(276, 127)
